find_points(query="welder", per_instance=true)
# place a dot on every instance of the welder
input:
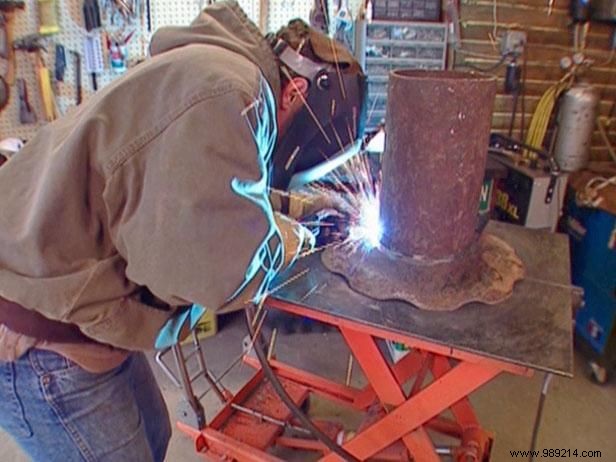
(150, 201)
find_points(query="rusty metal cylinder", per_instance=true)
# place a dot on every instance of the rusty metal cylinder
(438, 127)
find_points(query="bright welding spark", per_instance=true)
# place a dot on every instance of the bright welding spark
(377, 143)
(368, 228)
(354, 188)
(353, 217)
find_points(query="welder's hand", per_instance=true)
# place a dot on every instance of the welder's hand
(296, 238)
(303, 205)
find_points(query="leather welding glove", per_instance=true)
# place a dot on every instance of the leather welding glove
(296, 239)
(298, 205)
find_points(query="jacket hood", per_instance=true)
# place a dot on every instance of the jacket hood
(223, 24)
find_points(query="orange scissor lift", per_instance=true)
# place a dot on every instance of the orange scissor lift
(410, 407)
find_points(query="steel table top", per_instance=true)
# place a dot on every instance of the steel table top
(533, 328)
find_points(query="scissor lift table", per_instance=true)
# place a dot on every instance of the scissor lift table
(426, 393)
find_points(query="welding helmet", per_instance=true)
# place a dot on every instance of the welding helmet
(329, 128)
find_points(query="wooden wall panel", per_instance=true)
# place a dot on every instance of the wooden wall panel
(550, 38)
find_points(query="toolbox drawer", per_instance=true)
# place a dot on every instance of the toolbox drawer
(398, 44)
(426, 10)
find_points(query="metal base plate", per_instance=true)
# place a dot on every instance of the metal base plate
(485, 273)
(533, 328)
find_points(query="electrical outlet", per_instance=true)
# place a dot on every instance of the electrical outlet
(513, 42)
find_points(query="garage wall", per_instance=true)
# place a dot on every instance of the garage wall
(72, 34)
(276, 12)
(550, 37)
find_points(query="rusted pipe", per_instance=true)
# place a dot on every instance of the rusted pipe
(438, 125)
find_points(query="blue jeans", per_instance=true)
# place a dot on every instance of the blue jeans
(56, 411)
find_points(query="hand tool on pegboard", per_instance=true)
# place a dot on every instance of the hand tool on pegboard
(5, 50)
(34, 44)
(91, 15)
(48, 17)
(7, 9)
(343, 24)
(127, 9)
(93, 52)
(93, 49)
(77, 71)
(4, 94)
(117, 48)
(60, 67)
(319, 16)
(26, 114)
(148, 13)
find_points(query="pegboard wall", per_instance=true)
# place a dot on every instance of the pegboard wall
(280, 12)
(180, 12)
(72, 36)
(174, 13)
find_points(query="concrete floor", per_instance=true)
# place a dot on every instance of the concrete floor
(578, 414)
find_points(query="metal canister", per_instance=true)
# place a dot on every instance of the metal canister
(576, 122)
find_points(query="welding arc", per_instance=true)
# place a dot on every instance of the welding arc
(288, 401)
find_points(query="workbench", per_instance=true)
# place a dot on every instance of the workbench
(451, 355)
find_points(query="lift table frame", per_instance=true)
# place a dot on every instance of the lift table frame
(459, 360)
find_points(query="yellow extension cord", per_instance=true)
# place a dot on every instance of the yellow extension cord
(541, 117)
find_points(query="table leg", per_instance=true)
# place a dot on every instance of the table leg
(388, 389)
(462, 410)
(453, 386)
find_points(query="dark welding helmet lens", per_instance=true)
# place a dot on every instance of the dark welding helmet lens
(327, 129)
